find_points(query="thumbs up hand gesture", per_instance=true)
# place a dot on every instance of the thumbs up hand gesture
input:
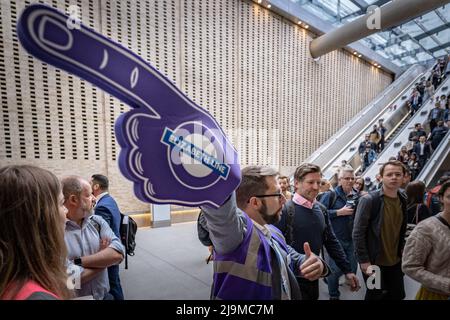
(307, 249)
(312, 267)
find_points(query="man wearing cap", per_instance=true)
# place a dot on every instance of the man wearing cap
(369, 156)
(362, 145)
(369, 185)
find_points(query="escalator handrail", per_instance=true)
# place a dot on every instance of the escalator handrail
(363, 112)
(435, 161)
(372, 122)
(407, 125)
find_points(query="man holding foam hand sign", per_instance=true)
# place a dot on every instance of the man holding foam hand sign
(175, 152)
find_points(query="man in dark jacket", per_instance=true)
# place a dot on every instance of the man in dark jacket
(107, 208)
(417, 132)
(305, 220)
(416, 102)
(382, 130)
(340, 205)
(438, 134)
(379, 233)
(423, 151)
(362, 145)
(436, 114)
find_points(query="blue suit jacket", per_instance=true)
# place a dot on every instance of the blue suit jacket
(426, 150)
(107, 208)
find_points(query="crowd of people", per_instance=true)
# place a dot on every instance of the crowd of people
(360, 221)
(60, 239)
(421, 143)
(341, 228)
(264, 246)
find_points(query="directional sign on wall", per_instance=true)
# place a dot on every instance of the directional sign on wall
(173, 150)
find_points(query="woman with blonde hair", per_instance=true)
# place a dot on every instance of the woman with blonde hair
(32, 248)
(426, 256)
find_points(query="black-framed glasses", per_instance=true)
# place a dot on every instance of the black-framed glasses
(279, 195)
(349, 179)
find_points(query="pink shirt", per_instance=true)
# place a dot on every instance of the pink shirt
(301, 201)
(27, 290)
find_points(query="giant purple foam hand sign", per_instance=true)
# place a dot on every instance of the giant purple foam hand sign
(173, 150)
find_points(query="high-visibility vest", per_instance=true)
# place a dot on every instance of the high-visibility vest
(242, 274)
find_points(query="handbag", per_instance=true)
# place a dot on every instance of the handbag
(410, 226)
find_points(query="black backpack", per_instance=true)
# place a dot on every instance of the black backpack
(289, 232)
(128, 229)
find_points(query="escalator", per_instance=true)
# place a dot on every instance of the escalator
(390, 105)
(399, 140)
(397, 129)
(438, 164)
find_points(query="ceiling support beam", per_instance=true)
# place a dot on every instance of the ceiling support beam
(391, 14)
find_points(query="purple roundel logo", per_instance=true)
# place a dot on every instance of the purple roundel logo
(171, 149)
(195, 155)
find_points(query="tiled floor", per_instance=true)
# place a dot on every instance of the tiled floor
(170, 264)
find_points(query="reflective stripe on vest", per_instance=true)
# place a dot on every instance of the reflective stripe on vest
(249, 270)
(246, 272)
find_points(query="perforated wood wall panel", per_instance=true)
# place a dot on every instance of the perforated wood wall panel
(149, 29)
(318, 98)
(209, 37)
(247, 66)
(261, 36)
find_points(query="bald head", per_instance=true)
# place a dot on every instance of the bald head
(78, 198)
(72, 185)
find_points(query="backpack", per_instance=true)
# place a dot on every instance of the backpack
(288, 234)
(432, 200)
(332, 199)
(127, 231)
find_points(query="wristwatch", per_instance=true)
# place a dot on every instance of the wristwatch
(77, 261)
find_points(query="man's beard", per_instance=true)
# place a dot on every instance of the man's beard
(88, 211)
(269, 218)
